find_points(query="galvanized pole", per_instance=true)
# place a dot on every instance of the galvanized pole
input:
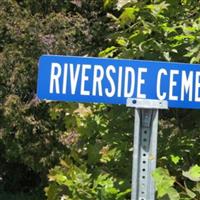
(145, 146)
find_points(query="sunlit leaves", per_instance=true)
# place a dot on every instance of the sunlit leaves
(164, 184)
(100, 148)
(158, 9)
(37, 133)
(190, 193)
(175, 159)
(109, 52)
(160, 30)
(128, 15)
(97, 138)
(108, 3)
(193, 173)
(108, 154)
(80, 184)
(121, 3)
(122, 41)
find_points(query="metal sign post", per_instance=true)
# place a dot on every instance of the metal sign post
(145, 146)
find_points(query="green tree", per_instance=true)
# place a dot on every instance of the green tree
(30, 139)
(168, 31)
(88, 147)
(150, 30)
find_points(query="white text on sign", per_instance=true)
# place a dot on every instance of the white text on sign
(124, 76)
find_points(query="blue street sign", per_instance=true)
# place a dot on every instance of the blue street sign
(102, 80)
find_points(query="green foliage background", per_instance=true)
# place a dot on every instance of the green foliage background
(86, 149)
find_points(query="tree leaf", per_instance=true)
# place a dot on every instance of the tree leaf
(108, 3)
(158, 9)
(173, 194)
(193, 173)
(128, 15)
(163, 182)
(190, 193)
(121, 3)
(122, 41)
(108, 52)
(175, 159)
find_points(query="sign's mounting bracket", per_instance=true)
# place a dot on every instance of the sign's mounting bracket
(145, 146)
(147, 103)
